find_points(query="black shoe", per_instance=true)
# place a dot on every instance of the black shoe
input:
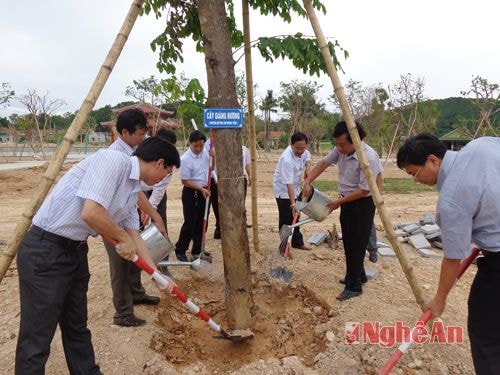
(129, 321)
(217, 233)
(194, 257)
(364, 280)
(148, 300)
(373, 257)
(348, 294)
(181, 257)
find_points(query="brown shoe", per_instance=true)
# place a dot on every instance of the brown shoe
(148, 300)
(129, 321)
(304, 247)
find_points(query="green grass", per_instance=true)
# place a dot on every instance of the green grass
(391, 185)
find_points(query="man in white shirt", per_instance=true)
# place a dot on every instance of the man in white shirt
(293, 164)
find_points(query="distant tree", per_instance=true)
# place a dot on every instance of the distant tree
(6, 94)
(268, 105)
(102, 114)
(40, 108)
(298, 98)
(487, 99)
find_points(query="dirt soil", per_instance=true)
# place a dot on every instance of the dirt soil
(299, 328)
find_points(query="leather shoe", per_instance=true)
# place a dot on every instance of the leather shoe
(373, 257)
(148, 300)
(217, 233)
(129, 321)
(364, 280)
(181, 257)
(348, 294)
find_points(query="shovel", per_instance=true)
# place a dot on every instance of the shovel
(198, 265)
(422, 321)
(280, 272)
(287, 230)
(241, 335)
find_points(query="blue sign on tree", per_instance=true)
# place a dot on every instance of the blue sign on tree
(223, 118)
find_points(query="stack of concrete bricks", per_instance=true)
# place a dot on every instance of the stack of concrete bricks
(423, 235)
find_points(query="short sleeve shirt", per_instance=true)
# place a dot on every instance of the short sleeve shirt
(351, 176)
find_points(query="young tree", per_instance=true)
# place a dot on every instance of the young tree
(298, 98)
(40, 108)
(215, 33)
(487, 99)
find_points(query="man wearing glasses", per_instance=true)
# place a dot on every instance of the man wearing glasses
(468, 210)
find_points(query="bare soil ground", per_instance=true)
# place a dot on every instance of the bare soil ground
(299, 327)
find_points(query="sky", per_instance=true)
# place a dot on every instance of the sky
(57, 47)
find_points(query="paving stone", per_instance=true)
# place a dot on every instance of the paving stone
(400, 233)
(419, 241)
(437, 244)
(372, 273)
(428, 218)
(433, 236)
(430, 228)
(410, 228)
(386, 252)
(317, 238)
(427, 253)
(382, 244)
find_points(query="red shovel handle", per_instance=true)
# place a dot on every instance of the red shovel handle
(181, 296)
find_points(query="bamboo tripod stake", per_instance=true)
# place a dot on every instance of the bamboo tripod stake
(57, 160)
(377, 198)
(251, 123)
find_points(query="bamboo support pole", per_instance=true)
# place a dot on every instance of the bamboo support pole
(7, 255)
(251, 123)
(339, 91)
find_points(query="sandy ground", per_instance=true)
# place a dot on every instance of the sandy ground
(300, 327)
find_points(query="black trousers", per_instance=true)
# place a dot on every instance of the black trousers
(193, 209)
(214, 200)
(53, 283)
(286, 218)
(484, 315)
(125, 282)
(356, 220)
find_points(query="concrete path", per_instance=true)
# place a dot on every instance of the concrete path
(36, 163)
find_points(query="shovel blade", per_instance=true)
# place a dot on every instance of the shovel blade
(281, 273)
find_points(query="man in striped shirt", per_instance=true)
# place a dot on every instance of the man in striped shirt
(468, 210)
(97, 196)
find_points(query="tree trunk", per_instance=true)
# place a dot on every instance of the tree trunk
(222, 93)
(266, 130)
(251, 118)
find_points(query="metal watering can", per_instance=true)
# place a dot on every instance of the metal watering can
(158, 245)
(313, 206)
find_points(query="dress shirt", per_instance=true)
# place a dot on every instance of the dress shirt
(109, 178)
(351, 176)
(468, 208)
(289, 171)
(195, 167)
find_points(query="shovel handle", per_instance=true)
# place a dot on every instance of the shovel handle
(175, 291)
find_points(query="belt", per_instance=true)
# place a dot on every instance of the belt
(52, 237)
